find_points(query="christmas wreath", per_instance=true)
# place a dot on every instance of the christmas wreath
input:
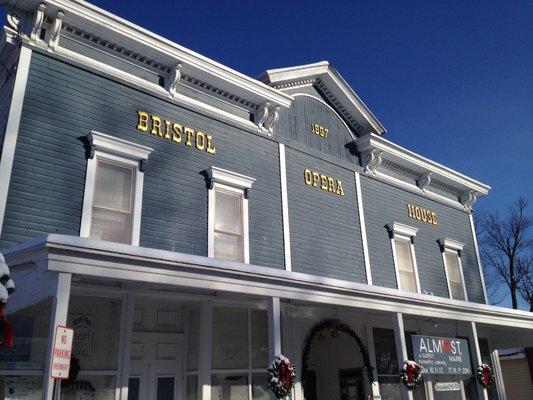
(484, 375)
(411, 374)
(281, 374)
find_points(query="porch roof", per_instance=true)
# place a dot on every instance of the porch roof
(126, 263)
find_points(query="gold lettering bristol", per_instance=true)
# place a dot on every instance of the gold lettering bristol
(174, 132)
(421, 214)
(324, 182)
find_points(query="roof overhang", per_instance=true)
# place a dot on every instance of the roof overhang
(346, 102)
(375, 149)
(120, 32)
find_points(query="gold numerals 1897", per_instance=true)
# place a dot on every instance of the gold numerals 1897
(319, 130)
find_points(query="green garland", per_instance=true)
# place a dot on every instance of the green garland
(335, 327)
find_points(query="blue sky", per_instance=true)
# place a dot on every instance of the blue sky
(451, 80)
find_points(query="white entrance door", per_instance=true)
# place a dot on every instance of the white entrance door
(155, 368)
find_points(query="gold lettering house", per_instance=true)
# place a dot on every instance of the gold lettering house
(191, 224)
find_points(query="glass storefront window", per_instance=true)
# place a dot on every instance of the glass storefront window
(89, 387)
(229, 387)
(32, 327)
(230, 338)
(191, 389)
(259, 387)
(21, 387)
(259, 345)
(96, 323)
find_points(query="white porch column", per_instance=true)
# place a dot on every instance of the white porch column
(372, 356)
(58, 316)
(126, 331)
(204, 351)
(274, 330)
(497, 368)
(401, 349)
(476, 357)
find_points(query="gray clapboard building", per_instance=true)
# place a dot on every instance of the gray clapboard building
(190, 223)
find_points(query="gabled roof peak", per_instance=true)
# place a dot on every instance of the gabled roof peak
(343, 98)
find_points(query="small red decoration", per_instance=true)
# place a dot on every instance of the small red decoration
(484, 375)
(411, 374)
(6, 329)
(281, 374)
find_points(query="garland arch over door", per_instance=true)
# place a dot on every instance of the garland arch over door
(335, 327)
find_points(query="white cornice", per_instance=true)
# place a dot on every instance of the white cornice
(451, 244)
(230, 178)
(121, 147)
(109, 27)
(334, 87)
(467, 189)
(398, 228)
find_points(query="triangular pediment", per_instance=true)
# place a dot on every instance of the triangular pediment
(333, 88)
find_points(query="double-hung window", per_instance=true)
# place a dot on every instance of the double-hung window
(113, 189)
(403, 254)
(228, 215)
(451, 256)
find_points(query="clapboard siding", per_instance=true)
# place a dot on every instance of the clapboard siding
(324, 228)
(295, 125)
(64, 102)
(384, 204)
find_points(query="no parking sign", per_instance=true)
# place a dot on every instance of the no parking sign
(62, 352)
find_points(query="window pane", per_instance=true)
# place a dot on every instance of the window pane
(386, 360)
(457, 291)
(165, 388)
(408, 281)
(228, 213)
(194, 329)
(259, 326)
(133, 388)
(111, 225)
(389, 388)
(90, 387)
(31, 326)
(192, 387)
(96, 324)
(230, 337)
(452, 266)
(229, 387)
(228, 247)
(259, 387)
(21, 387)
(113, 186)
(403, 255)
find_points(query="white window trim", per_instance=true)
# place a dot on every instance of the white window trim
(121, 151)
(450, 245)
(407, 233)
(233, 182)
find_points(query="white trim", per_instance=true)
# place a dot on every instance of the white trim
(476, 355)
(238, 181)
(451, 244)
(205, 352)
(274, 328)
(398, 228)
(372, 356)
(12, 127)
(478, 257)
(419, 163)
(123, 152)
(285, 207)
(401, 349)
(497, 367)
(124, 360)
(232, 182)
(362, 224)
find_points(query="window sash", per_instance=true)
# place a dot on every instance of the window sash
(453, 274)
(405, 264)
(221, 231)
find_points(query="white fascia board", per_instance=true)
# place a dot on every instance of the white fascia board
(181, 269)
(419, 163)
(99, 22)
(230, 178)
(335, 83)
(398, 228)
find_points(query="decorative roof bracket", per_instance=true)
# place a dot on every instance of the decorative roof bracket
(174, 79)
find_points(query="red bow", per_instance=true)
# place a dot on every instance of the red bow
(411, 370)
(285, 372)
(7, 329)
